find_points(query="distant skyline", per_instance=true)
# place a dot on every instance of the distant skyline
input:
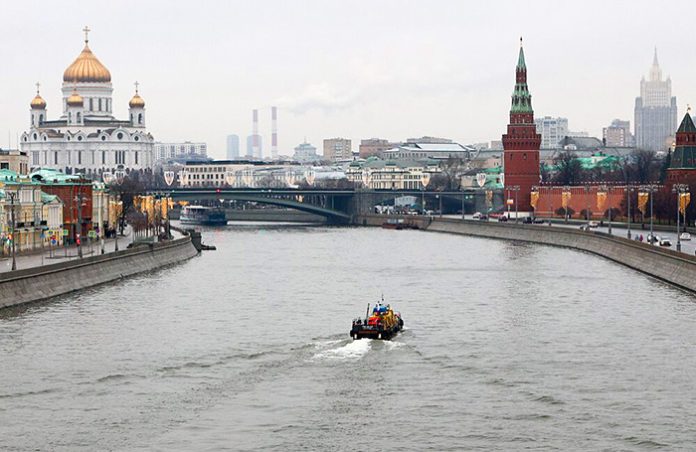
(356, 70)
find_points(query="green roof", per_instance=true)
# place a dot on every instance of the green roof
(51, 176)
(687, 124)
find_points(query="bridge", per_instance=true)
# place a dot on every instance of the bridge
(336, 205)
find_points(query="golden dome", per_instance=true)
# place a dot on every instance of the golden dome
(37, 103)
(75, 100)
(86, 68)
(136, 101)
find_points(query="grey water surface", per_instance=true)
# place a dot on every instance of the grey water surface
(507, 347)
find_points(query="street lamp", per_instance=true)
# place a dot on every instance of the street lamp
(650, 189)
(682, 192)
(13, 197)
(629, 189)
(425, 180)
(586, 188)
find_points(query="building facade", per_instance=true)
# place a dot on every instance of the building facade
(552, 131)
(655, 111)
(521, 142)
(336, 149)
(437, 151)
(232, 147)
(305, 152)
(87, 139)
(14, 160)
(179, 151)
(618, 134)
(374, 147)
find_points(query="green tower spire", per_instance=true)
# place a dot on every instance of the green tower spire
(521, 99)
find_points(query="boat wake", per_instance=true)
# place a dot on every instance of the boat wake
(350, 351)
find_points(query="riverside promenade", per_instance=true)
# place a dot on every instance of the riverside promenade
(66, 253)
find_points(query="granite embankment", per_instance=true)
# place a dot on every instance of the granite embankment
(38, 283)
(673, 267)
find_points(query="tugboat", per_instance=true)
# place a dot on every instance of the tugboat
(382, 324)
(207, 216)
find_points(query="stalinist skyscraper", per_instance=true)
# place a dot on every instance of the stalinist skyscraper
(656, 111)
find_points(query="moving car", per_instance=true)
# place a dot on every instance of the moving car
(593, 224)
(652, 238)
(503, 218)
(476, 216)
(665, 242)
(685, 236)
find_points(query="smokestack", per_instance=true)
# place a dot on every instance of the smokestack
(274, 133)
(255, 133)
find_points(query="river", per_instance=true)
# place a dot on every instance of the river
(507, 346)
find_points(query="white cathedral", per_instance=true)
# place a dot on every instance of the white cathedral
(87, 139)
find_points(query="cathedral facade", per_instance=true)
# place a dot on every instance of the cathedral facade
(87, 139)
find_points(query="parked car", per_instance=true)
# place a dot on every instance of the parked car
(483, 217)
(584, 227)
(476, 216)
(652, 238)
(685, 236)
(538, 221)
(503, 218)
(593, 224)
(665, 242)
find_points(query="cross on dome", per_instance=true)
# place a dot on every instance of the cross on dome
(37, 87)
(136, 86)
(86, 30)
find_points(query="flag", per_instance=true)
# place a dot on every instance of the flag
(534, 199)
(601, 200)
(565, 199)
(642, 201)
(684, 200)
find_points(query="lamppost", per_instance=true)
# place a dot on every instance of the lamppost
(13, 197)
(681, 190)
(650, 189)
(565, 199)
(79, 198)
(603, 189)
(629, 190)
(586, 188)
(516, 189)
(425, 179)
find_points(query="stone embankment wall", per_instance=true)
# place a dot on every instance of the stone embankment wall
(675, 268)
(38, 283)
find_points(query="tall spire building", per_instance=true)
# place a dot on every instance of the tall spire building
(521, 142)
(656, 111)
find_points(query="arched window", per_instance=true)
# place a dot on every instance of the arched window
(79, 117)
(41, 119)
(91, 104)
(100, 106)
(140, 118)
(69, 117)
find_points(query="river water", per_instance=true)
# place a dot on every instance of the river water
(507, 347)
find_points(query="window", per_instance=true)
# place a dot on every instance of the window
(119, 136)
(91, 104)
(103, 157)
(100, 106)
(55, 158)
(79, 157)
(136, 157)
(140, 118)
(103, 138)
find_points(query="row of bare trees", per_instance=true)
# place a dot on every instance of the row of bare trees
(639, 167)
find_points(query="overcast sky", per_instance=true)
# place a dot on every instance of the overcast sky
(354, 69)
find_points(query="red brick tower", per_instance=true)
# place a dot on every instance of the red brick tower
(521, 142)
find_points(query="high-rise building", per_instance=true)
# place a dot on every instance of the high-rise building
(618, 134)
(180, 151)
(232, 147)
(552, 131)
(521, 142)
(254, 146)
(656, 111)
(336, 149)
(305, 152)
(374, 146)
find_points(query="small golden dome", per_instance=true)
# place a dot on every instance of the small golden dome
(87, 68)
(37, 103)
(136, 101)
(75, 100)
